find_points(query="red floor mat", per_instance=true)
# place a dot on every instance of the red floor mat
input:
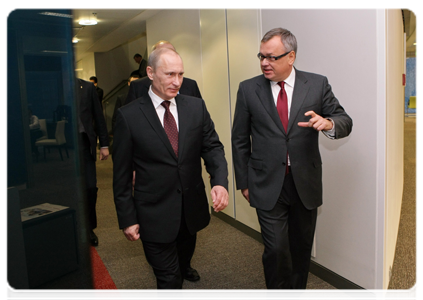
(101, 277)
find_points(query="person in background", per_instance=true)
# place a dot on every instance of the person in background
(121, 99)
(163, 136)
(142, 65)
(91, 125)
(99, 90)
(278, 168)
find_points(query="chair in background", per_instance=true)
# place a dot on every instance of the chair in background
(411, 103)
(43, 128)
(59, 140)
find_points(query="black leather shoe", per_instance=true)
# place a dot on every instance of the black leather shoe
(93, 239)
(191, 274)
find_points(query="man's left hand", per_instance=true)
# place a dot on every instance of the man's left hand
(104, 153)
(317, 122)
(220, 198)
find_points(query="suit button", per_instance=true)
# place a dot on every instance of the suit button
(287, 140)
(179, 191)
(284, 163)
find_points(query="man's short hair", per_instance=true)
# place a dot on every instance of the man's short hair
(93, 78)
(137, 55)
(155, 55)
(288, 39)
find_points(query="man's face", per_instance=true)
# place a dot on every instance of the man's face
(138, 59)
(167, 76)
(93, 82)
(280, 69)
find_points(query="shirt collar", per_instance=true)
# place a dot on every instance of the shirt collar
(289, 81)
(157, 101)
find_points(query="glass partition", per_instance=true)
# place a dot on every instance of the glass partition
(47, 238)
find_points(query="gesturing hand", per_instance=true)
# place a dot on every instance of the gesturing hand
(317, 122)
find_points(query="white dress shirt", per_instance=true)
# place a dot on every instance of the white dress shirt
(160, 110)
(289, 89)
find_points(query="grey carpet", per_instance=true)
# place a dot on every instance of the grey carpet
(404, 267)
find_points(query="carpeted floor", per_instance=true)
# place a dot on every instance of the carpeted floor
(404, 267)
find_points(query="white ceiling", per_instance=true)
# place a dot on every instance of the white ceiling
(118, 26)
(115, 27)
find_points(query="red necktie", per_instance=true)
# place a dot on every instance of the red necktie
(282, 107)
(170, 127)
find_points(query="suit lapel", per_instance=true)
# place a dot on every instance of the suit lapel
(298, 96)
(147, 107)
(264, 93)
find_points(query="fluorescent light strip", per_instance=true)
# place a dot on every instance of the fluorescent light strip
(53, 14)
(52, 51)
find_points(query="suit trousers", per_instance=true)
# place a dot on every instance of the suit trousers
(90, 175)
(288, 233)
(170, 260)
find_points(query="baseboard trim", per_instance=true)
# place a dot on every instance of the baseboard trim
(323, 273)
(238, 225)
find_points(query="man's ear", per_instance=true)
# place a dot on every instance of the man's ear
(150, 72)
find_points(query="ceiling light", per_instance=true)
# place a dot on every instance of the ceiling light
(90, 21)
(75, 40)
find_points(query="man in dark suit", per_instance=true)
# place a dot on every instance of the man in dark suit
(278, 169)
(163, 136)
(139, 88)
(99, 90)
(90, 119)
(121, 99)
(142, 65)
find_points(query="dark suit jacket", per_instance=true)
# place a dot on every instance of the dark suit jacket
(120, 100)
(260, 162)
(164, 182)
(100, 94)
(139, 88)
(142, 68)
(90, 113)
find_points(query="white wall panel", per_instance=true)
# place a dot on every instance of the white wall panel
(395, 134)
(182, 29)
(243, 43)
(216, 83)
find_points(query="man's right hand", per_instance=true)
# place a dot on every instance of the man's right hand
(246, 194)
(132, 232)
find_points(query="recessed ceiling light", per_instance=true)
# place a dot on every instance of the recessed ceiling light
(90, 21)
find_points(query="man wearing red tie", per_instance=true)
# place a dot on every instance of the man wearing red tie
(278, 168)
(163, 136)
